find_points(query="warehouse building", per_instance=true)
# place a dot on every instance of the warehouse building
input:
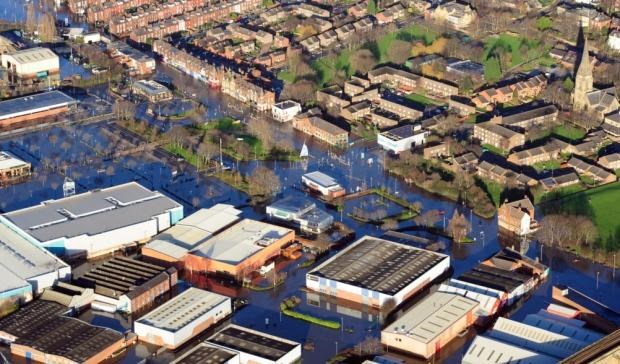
(33, 64)
(26, 269)
(514, 284)
(96, 222)
(491, 300)
(431, 324)
(300, 213)
(240, 249)
(12, 169)
(127, 285)
(182, 318)
(174, 244)
(207, 353)
(484, 350)
(26, 108)
(39, 332)
(377, 272)
(256, 347)
(323, 184)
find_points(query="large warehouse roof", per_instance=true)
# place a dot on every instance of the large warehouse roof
(379, 265)
(21, 259)
(205, 353)
(241, 241)
(484, 350)
(194, 230)
(8, 161)
(91, 213)
(32, 55)
(34, 103)
(182, 309)
(432, 316)
(253, 342)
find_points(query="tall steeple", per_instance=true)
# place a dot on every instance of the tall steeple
(584, 82)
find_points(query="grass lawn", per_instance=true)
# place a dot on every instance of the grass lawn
(569, 132)
(510, 45)
(600, 204)
(410, 33)
(184, 153)
(494, 150)
(422, 99)
(225, 124)
(286, 76)
(327, 67)
(494, 190)
(546, 165)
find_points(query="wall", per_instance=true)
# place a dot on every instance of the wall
(33, 116)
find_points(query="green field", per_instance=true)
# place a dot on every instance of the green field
(494, 190)
(286, 76)
(494, 150)
(546, 165)
(569, 132)
(600, 204)
(422, 99)
(410, 33)
(514, 48)
(327, 67)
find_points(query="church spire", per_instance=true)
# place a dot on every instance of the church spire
(584, 81)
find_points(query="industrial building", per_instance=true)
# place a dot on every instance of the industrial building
(207, 353)
(491, 300)
(174, 244)
(182, 318)
(32, 107)
(151, 90)
(240, 249)
(127, 285)
(256, 347)
(484, 350)
(377, 272)
(33, 66)
(12, 169)
(604, 351)
(431, 324)
(25, 267)
(323, 184)
(402, 138)
(96, 222)
(301, 214)
(40, 332)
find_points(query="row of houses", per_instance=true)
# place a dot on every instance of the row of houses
(407, 81)
(329, 37)
(123, 24)
(247, 88)
(192, 20)
(523, 90)
(104, 11)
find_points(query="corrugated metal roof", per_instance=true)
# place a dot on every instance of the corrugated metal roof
(581, 334)
(484, 350)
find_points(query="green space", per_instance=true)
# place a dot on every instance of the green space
(287, 307)
(185, 153)
(327, 67)
(287, 76)
(494, 190)
(569, 132)
(233, 179)
(600, 204)
(506, 51)
(225, 124)
(410, 34)
(543, 23)
(542, 197)
(493, 149)
(422, 99)
(546, 165)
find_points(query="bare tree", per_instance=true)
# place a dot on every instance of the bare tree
(458, 227)
(31, 18)
(399, 51)
(263, 182)
(363, 61)
(47, 27)
(389, 224)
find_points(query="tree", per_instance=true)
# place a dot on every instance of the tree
(399, 51)
(568, 85)
(552, 230)
(544, 23)
(492, 69)
(389, 224)
(31, 18)
(363, 61)
(302, 91)
(458, 227)
(206, 150)
(372, 7)
(47, 27)
(263, 182)
(429, 218)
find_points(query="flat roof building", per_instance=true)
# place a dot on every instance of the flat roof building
(301, 213)
(256, 347)
(431, 324)
(182, 318)
(97, 222)
(12, 169)
(127, 285)
(491, 300)
(207, 353)
(377, 272)
(172, 245)
(484, 350)
(33, 107)
(31, 62)
(151, 90)
(285, 110)
(322, 183)
(25, 267)
(240, 249)
(402, 138)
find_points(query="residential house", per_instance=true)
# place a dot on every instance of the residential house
(457, 14)
(400, 107)
(358, 10)
(308, 10)
(591, 170)
(332, 97)
(459, 70)
(313, 124)
(544, 115)
(435, 151)
(517, 217)
(311, 44)
(461, 105)
(355, 112)
(345, 32)
(363, 25)
(611, 124)
(549, 151)
(602, 102)
(408, 81)
(610, 161)
(467, 162)
(560, 180)
(355, 86)
(328, 38)
(384, 119)
(498, 136)
(504, 174)
(523, 89)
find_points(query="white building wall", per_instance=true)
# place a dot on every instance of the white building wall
(425, 278)
(398, 146)
(31, 67)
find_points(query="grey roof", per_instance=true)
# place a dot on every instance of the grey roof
(21, 259)
(292, 204)
(205, 353)
(530, 114)
(432, 316)
(378, 265)
(484, 350)
(253, 342)
(595, 171)
(91, 213)
(321, 179)
(403, 132)
(183, 309)
(34, 103)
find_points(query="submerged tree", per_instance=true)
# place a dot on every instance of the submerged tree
(459, 227)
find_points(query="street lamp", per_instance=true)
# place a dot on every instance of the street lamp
(597, 273)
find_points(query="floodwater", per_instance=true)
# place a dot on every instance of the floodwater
(76, 151)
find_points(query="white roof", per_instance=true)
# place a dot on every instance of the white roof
(534, 338)
(22, 259)
(489, 299)
(321, 178)
(578, 333)
(241, 241)
(432, 316)
(194, 230)
(8, 161)
(183, 309)
(32, 55)
(484, 350)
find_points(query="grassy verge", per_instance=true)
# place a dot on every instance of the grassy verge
(569, 132)
(422, 99)
(311, 319)
(495, 150)
(494, 190)
(546, 165)
(233, 179)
